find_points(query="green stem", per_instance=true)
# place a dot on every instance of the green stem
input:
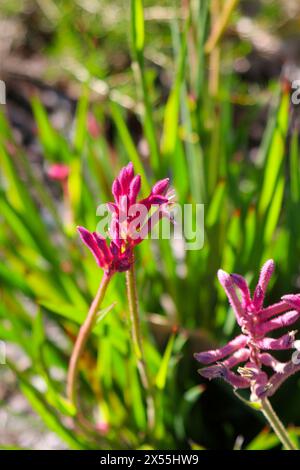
(276, 424)
(138, 345)
(82, 338)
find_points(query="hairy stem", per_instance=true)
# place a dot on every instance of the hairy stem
(138, 345)
(276, 424)
(82, 338)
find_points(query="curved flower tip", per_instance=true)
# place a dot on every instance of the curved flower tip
(205, 357)
(224, 278)
(213, 372)
(95, 245)
(134, 189)
(161, 187)
(110, 258)
(266, 274)
(241, 283)
(293, 300)
(126, 176)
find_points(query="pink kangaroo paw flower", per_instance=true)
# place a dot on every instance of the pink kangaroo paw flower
(282, 321)
(227, 283)
(292, 300)
(255, 322)
(270, 361)
(241, 283)
(284, 342)
(207, 357)
(273, 310)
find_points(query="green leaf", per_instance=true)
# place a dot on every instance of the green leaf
(102, 314)
(171, 115)
(276, 155)
(161, 377)
(274, 212)
(129, 145)
(216, 205)
(49, 416)
(71, 312)
(38, 334)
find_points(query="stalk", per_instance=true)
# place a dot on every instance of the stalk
(138, 345)
(276, 424)
(82, 338)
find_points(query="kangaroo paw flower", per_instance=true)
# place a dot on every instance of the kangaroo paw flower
(255, 322)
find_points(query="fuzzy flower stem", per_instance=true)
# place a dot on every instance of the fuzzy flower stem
(83, 336)
(276, 424)
(138, 344)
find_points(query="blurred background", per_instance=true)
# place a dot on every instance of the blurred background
(199, 91)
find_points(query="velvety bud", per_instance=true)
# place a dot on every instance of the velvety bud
(134, 189)
(241, 283)
(227, 282)
(102, 245)
(258, 298)
(265, 274)
(89, 241)
(125, 177)
(116, 190)
(160, 187)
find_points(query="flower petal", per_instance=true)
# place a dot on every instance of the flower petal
(282, 321)
(292, 300)
(227, 282)
(207, 357)
(284, 342)
(161, 187)
(89, 241)
(241, 283)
